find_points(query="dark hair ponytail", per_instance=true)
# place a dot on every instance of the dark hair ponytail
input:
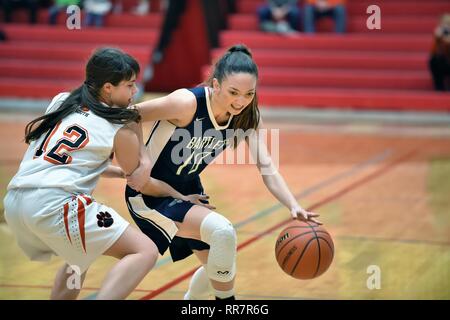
(106, 65)
(238, 59)
(240, 48)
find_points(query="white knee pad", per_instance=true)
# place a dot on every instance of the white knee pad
(219, 233)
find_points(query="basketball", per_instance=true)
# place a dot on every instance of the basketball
(304, 250)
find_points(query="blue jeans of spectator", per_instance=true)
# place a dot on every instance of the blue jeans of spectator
(311, 14)
(53, 13)
(93, 19)
(293, 16)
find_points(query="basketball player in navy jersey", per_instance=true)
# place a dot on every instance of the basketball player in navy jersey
(190, 131)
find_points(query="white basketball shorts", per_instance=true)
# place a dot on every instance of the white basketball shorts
(50, 221)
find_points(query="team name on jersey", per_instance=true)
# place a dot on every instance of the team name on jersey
(207, 143)
(82, 112)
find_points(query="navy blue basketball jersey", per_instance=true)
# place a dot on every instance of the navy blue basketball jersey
(180, 154)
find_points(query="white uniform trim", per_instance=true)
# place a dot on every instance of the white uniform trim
(211, 114)
(139, 209)
(161, 133)
(57, 101)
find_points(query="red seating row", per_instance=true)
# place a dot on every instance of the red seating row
(388, 7)
(39, 61)
(362, 69)
(390, 24)
(336, 59)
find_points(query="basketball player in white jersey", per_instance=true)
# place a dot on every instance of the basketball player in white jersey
(49, 205)
(228, 100)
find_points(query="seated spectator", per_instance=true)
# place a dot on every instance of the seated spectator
(281, 16)
(440, 55)
(142, 8)
(96, 10)
(317, 9)
(57, 7)
(9, 5)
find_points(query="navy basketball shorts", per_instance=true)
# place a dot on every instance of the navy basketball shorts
(155, 217)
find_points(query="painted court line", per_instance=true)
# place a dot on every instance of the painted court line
(332, 197)
(263, 213)
(255, 296)
(29, 286)
(392, 240)
(327, 182)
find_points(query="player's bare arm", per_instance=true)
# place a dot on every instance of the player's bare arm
(138, 178)
(178, 107)
(274, 181)
(113, 172)
(127, 148)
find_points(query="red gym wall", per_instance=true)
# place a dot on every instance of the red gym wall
(190, 38)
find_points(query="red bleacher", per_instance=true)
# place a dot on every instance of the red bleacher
(39, 61)
(359, 7)
(369, 69)
(391, 24)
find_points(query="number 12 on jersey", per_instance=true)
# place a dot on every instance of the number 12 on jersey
(74, 138)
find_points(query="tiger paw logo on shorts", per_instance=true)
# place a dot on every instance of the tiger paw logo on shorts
(104, 219)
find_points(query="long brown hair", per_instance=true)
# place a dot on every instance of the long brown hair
(106, 65)
(238, 59)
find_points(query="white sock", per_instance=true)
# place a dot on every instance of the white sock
(199, 287)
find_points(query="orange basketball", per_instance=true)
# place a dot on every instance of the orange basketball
(304, 250)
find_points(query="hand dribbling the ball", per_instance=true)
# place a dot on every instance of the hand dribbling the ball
(301, 214)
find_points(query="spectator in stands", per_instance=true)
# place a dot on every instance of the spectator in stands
(96, 10)
(317, 9)
(175, 10)
(173, 13)
(9, 5)
(281, 16)
(57, 7)
(142, 8)
(440, 55)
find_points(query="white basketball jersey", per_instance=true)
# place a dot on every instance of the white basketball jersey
(71, 156)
